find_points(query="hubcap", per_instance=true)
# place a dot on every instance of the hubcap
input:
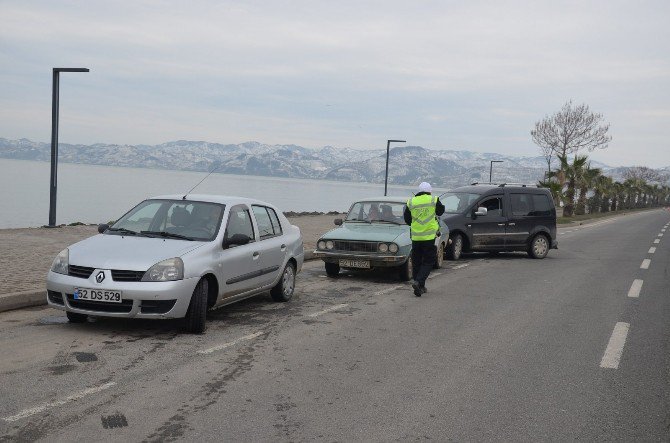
(540, 246)
(288, 280)
(458, 246)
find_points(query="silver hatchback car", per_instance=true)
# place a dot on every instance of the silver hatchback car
(177, 256)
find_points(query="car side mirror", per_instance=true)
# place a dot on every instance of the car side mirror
(338, 222)
(236, 240)
(102, 227)
(481, 211)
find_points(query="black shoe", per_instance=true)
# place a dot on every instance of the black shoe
(417, 289)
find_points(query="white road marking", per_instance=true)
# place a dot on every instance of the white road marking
(327, 310)
(387, 290)
(43, 407)
(657, 241)
(434, 274)
(615, 346)
(663, 230)
(660, 235)
(567, 232)
(635, 288)
(652, 250)
(645, 264)
(229, 344)
(464, 265)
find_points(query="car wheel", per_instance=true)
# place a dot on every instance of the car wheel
(283, 291)
(440, 256)
(73, 317)
(406, 269)
(332, 269)
(455, 249)
(539, 246)
(197, 309)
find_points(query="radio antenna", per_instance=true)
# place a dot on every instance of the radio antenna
(210, 173)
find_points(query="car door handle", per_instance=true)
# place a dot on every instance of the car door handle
(256, 255)
(469, 226)
(501, 224)
(283, 247)
(512, 224)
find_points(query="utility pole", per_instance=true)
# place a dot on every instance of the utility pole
(388, 148)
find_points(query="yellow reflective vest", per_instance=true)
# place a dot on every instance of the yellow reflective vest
(424, 220)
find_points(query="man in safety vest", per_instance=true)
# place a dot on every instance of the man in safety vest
(421, 215)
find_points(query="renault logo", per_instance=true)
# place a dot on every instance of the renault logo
(100, 277)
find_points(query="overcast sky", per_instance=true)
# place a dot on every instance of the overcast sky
(440, 74)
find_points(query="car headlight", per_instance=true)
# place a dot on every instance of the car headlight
(61, 262)
(383, 247)
(168, 270)
(321, 244)
(329, 245)
(393, 247)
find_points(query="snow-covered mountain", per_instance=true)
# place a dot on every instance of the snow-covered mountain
(408, 165)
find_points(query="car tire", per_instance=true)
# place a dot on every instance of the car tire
(196, 315)
(73, 317)
(283, 290)
(440, 256)
(405, 273)
(539, 246)
(332, 269)
(455, 249)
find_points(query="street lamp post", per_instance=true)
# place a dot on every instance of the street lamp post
(388, 147)
(491, 168)
(53, 184)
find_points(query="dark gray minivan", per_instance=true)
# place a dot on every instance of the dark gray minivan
(497, 218)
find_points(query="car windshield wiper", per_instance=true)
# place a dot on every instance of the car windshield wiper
(123, 231)
(167, 235)
(388, 221)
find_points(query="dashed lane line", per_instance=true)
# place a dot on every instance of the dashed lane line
(43, 407)
(652, 250)
(464, 265)
(229, 344)
(660, 235)
(635, 288)
(327, 310)
(645, 264)
(657, 241)
(614, 349)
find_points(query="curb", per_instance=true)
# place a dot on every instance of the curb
(18, 300)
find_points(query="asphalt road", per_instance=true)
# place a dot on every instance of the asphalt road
(501, 348)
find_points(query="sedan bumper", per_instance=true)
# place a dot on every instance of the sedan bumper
(139, 299)
(376, 260)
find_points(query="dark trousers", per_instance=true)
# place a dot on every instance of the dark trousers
(424, 257)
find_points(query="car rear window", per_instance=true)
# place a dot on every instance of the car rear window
(541, 206)
(268, 223)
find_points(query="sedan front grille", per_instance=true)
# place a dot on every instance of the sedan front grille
(355, 246)
(79, 271)
(122, 275)
(123, 308)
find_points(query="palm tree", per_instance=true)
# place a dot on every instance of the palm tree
(604, 192)
(554, 187)
(586, 182)
(618, 192)
(573, 173)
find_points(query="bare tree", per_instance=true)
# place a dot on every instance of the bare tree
(569, 131)
(646, 174)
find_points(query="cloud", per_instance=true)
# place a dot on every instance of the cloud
(467, 75)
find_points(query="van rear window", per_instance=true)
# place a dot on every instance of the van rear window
(541, 206)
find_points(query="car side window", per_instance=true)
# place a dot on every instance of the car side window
(239, 222)
(275, 221)
(265, 228)
(493, 205)
(541, 206)
(521, 205)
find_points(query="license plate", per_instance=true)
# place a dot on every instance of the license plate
(365, 264)
(104, 295)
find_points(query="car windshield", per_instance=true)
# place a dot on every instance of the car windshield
(175, 219)
(377, 212)
(457, 202)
